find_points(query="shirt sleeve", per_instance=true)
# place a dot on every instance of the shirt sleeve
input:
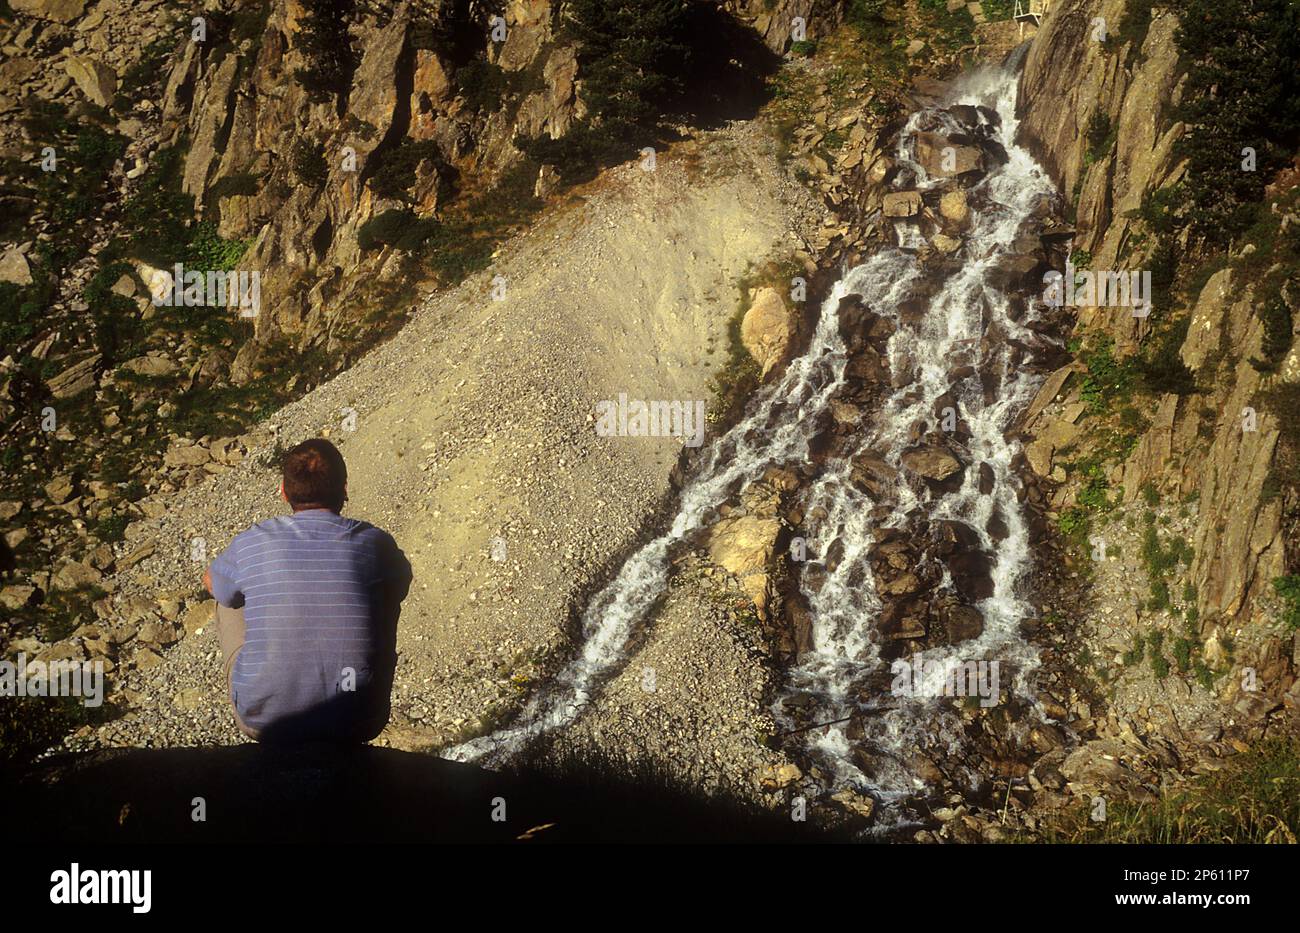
(226, 587)
(393, 569)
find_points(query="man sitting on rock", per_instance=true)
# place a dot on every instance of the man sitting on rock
(307, 609)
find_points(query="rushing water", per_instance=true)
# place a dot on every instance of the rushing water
(778, 431)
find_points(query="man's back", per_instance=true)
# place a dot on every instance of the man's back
(320, 595)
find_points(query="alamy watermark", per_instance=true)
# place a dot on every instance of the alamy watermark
(637, 418)
(937, 677)
(193, 288)
(61, 678)
(1101, 289)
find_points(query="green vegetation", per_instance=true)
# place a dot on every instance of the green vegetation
(1288, 590)
(1255, 799)
(324, 40)
(1101, 136)
(307, 162)
(1107, 379)
(633, 54)
(395, 175)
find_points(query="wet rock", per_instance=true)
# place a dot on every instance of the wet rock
(902, 204)
(964, 623)
(942, 158)
(933, 463)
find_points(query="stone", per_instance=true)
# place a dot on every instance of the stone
(965, 623)
(158, 633)
(1039, 454)
(60, 11)
(953, 207)
(14, 268)
(902, 204)
(59, 489)
(768, 329)
(548, 182)
(855, 803)
(76, 379)
(152, 365)
(75, 575)
(198, 615)
(16, 596)
(743, 544)
(96, 80)
(186, 455)
(941, 158)
(931, 462)
(146, 658)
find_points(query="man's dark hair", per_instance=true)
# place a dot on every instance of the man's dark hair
(315, 476)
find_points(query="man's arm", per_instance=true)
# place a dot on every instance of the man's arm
(207, 579)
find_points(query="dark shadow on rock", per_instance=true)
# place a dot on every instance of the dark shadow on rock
(726, 78)
(330, 794)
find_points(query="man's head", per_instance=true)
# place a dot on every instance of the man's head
(315, 476)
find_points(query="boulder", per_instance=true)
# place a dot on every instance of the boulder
(76, 379)
(953, 207)
(14, 268)
(942, 158)
(75, 575)
(931, 462)
(768, 329)
(60, 489)
(96, 80)
(902, 204)
(743, 545)
(17, 596)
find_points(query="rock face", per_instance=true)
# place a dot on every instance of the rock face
(768, 329)
(1203, 457)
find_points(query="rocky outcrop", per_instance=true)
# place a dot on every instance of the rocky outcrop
(1200, 466)
(768, 329)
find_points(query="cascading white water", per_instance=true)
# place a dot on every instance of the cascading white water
(845, 604)
(779, 430)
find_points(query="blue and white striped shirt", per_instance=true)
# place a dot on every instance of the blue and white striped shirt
(319, 645)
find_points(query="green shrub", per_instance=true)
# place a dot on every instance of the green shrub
(307, 162)
(395, 174)
(324, 40)
(1288, 591)
(400, 229)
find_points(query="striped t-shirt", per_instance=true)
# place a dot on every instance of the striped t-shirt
(319, 643)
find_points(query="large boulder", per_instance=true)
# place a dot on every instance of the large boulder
(96, 80)
(768, 329)
(743, 544)
(902, 204)
(14, 268)
(931, 462)
(942, 158)
(76, 378)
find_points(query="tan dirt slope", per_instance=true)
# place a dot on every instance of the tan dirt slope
(475, 423)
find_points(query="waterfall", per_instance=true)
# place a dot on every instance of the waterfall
(835, 679)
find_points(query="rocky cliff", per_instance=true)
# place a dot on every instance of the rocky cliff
(1157, 446)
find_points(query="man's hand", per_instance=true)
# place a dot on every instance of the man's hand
(207, 580)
